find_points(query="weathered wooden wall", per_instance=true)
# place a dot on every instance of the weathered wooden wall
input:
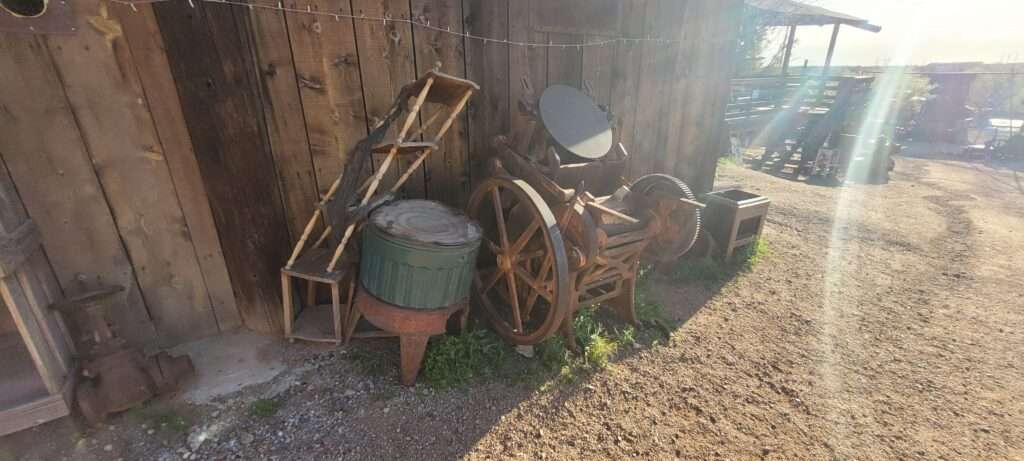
(178, 151)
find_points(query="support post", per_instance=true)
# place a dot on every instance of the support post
(790, 39)
(831, 48)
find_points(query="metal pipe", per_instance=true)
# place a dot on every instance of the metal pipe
(790, 39)
(831, 47)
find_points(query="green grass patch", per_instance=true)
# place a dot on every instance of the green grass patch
(265, 408)
(723, 161)
(368, 363)
(456, 360)
(596, 346)
(162, 416)
(753, 254)
(711, 271)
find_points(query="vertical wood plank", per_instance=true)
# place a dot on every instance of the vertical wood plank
(286, 124)
(529, 64)
(565, 63)
(327, 70)
(625, 76)
(36, 279)
(58, 184)
(687, 93)
(108, 102)
(12, 211)
(46, 361)
(446, 171)
(662, 19)
(39, 306)
(727, 17)
(596, 71)
(487, 64)
(387, 63)
(147, 48)
(42, 269)
(210, 57)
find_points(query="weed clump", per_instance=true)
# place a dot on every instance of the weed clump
(456, 360)
(161, 415)
(265, 408)
(710, 271)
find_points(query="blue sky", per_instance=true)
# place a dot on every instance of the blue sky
(941, 30)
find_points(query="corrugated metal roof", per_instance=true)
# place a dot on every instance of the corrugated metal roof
(791, 13)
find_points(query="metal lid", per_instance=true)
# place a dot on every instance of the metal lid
(425, 221)
(576, 122)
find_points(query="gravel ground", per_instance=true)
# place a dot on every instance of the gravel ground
(885, 324)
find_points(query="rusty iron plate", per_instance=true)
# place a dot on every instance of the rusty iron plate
(57, 17)
(575, 122)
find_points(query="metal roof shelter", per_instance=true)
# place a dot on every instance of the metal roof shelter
(788, 13)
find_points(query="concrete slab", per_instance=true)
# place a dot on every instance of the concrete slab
(225, 364)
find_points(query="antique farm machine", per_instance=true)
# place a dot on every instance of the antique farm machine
(562, 229)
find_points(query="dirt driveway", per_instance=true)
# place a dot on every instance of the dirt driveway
(887, 323)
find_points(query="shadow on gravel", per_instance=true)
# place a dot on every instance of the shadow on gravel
(666, 301)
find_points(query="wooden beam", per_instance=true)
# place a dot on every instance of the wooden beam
(790, 40)
(147, 48)
(387, 63)
(212, 62)
(58, 183)
(831, 47)
(106, 97)
(488, 64)
(286, 122)
(625, 76)
(327, 70)
(447, 170)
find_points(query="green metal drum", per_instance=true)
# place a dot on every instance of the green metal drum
(419, 254)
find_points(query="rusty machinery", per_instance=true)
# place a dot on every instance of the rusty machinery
(562, 235)
(117, 377)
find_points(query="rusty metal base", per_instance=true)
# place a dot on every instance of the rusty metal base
(413, 327)
(125, 379)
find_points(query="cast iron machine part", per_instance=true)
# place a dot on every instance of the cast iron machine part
(559, 237)
(116, 378)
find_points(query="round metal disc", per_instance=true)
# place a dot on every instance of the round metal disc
(425, 221)
(575, 122)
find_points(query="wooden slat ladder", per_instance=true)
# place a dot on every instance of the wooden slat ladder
(332, 267)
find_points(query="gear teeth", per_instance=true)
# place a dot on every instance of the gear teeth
(645, 183)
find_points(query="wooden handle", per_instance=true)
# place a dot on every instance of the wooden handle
(302, 241)
(692, 202)
(606, 210)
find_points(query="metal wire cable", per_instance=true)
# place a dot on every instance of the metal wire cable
(426, 25)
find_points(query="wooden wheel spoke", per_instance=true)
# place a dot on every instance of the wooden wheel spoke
(517, 317)
(499, 214)
(535, 285)
(530, 256)
(492, 246)
(525, 237)
(542, 275)
(485, 287)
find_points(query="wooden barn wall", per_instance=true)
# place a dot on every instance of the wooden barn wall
(178, 150)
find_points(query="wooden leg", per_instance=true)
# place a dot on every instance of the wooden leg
(625, 303)
(464, 318)
(346, 310)
(413, 348)
(569, 334)
(336, 305)
(286, 300)
(352, 321)
(310, 293)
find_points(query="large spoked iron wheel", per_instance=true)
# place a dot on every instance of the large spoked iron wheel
(681, 221)
(522, 281)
